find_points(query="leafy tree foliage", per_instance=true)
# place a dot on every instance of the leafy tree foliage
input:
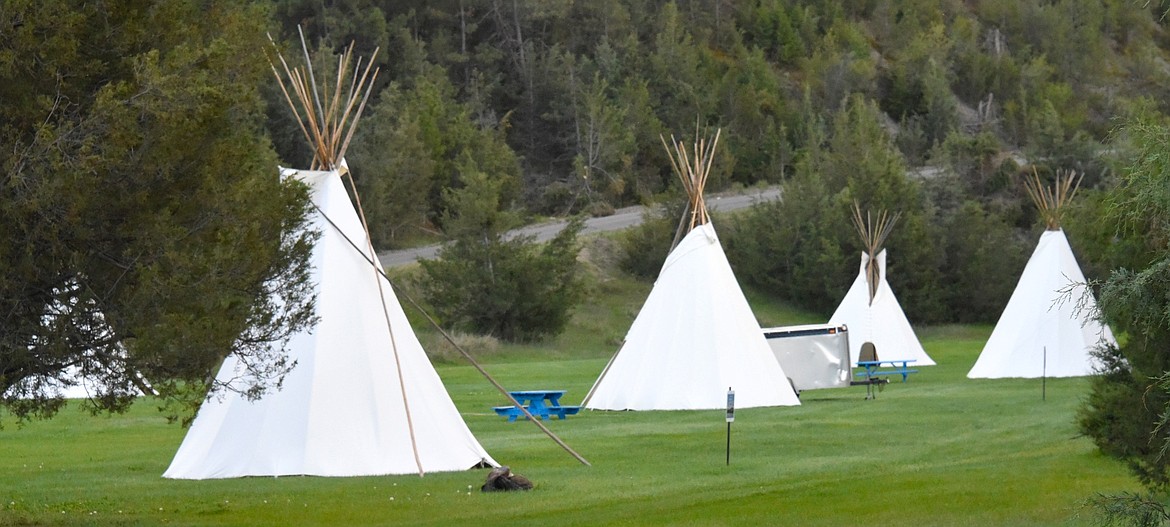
(1126, 412)
(511, 288)
(645, 246)
(414, 146)
(146, 235)
(564, 101)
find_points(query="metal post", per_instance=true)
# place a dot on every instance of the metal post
(730, 419)
(729, 443)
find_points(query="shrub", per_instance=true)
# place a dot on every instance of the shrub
(599, 209)
(515, 288)
(644, 247)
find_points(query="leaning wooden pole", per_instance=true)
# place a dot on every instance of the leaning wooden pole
(327, 123)
(327, 133)
(500, 387)
(403, 294)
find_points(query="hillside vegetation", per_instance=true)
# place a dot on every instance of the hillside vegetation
(935, 109)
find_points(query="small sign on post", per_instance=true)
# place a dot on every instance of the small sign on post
(730, 419)
(730, 405)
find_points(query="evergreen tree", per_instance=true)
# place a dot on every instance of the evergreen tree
(1126, 412)
(646, 246)
(604, 146)
(486, 283)
(145, 234)
(753, 108)
(676, 69)
(840, 65)
(412, 148)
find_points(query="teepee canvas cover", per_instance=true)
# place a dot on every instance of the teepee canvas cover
(1042, 332)
(870, 309)
(696, 335)
(883, 322)
(343, 409)
(363, 398)
(1038, 333)
(694, 338)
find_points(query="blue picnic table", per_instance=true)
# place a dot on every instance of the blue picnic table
(873, 372)
(874, 368)
(539, 403)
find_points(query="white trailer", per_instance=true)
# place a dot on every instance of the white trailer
(813, 356)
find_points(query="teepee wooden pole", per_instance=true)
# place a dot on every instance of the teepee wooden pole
(312, 81)
(326, 130)
(1051, 201)
(682, 221)
(329, 137)
(361, 107)
(692, 166)
(389, 326)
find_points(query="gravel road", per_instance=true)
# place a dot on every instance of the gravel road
(623, 218)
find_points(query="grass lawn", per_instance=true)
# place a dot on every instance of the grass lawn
(938, 450)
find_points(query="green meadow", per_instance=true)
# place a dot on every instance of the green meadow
(937, 450)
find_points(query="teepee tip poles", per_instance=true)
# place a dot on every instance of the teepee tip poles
(1051, 200)
(692, 168)
(873, 235)
(327, 127)
(874, 232)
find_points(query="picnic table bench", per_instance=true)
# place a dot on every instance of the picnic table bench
(873, 373)
(873, 368)
(539, 403)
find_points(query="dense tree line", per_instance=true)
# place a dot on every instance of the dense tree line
(564, 101)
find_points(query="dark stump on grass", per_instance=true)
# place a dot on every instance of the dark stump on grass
(502, 479)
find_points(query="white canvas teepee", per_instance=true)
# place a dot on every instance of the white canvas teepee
(75, 386)
(1043, 331)
(349, 407)
(76, 382)
(80, 386)
(695, 336)
(870, 309)
(363, 398)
